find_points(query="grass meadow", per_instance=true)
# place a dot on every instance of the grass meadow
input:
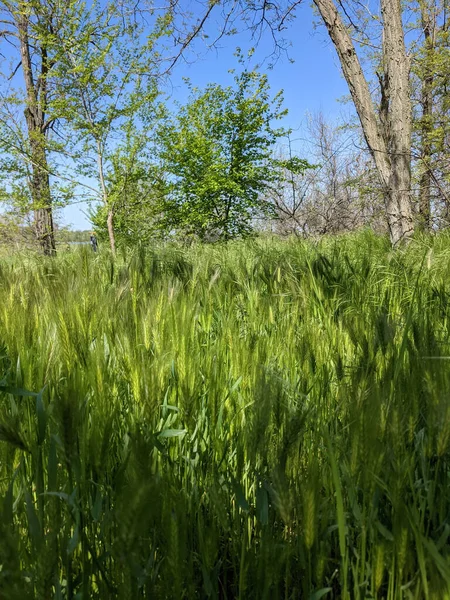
(261, 420)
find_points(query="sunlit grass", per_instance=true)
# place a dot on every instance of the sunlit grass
(259, 420)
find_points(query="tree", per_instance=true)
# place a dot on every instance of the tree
(431, 125)
(15, 229)
(218, 157)
(29, 30)
(387, 128)
(106, 94)
(340, 194)
(88, 70)
(388, 137)
(427, 56)
(137, 187)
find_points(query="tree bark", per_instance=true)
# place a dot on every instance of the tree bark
(397, 70)
(36, 93)
(389, 145)
(43, 214)
(106, 200)
(110, 224)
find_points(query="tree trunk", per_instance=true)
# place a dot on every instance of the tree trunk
(43, 224)
(110, 223)
(106, 200)
(36, 92)
(40, 192)
(390, 145)
(396, 64)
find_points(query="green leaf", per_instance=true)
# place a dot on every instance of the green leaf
(34, 526)
(7, 389)
(170, 433)
(240, 496)
(320, 593)
(73, 542)
(52, 466)
(97, 507)
(384, 531)
(339, 499)
(262, 505)
(41, 418)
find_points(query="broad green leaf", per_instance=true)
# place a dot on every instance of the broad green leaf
(320, 593)
(170, 433)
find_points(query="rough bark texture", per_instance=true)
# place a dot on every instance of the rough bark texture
(36, 93)
(396, 64)
(390, 142)
(43, 214)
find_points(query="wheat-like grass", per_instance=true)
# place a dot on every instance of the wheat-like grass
(262, 419)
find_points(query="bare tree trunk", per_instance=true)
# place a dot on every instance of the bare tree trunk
(43, 215)
(390, 146)
(397, 68)
(36, 92)
(110, 223)
(107, 203)
(40, 190)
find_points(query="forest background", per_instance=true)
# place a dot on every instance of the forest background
(87, 114)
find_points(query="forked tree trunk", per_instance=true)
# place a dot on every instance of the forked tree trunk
(389, 144)
(36, 95)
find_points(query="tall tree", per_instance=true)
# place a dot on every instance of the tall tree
(406, 136)
(389, 137)
(106, 93)
(431, 77)
(88, 74)
(387, 129)
(29, 31)
(218, 156)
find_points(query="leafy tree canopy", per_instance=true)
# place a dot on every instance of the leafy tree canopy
(217, 153)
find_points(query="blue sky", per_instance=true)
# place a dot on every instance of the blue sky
(312, 83)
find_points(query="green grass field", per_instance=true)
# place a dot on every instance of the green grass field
(264, 420)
